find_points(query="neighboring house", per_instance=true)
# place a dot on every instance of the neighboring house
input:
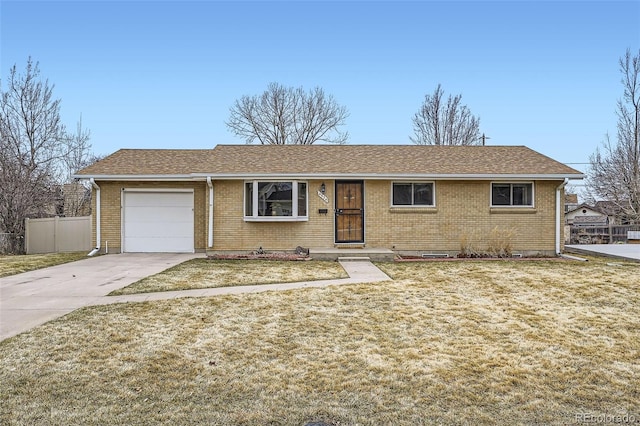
(585, 215)
(76, 200)
(570, 202)
(411, 199)
(611, 210)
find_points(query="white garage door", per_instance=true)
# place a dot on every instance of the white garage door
(159, 221)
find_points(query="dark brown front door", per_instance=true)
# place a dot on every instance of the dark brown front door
(349, 212)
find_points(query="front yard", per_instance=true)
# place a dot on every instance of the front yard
(473, 342)
(203, 273)
(15, 264)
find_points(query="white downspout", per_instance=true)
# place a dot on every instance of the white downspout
(210, 232)
(559, 214)
(97, 188)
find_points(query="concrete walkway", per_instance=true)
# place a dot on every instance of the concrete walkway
(33, 298)
(359, 272)
(618, 251)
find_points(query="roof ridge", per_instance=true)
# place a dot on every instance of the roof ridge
(369, 145)
(165, 149)
(339, 160)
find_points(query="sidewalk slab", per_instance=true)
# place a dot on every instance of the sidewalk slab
(334, 253)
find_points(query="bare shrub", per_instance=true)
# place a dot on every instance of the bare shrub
(469, 242)
(500, 242)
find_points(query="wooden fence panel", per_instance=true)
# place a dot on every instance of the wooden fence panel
(602, 234)
(58, 234)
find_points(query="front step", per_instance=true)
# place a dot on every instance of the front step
(354, 259)
(333, 253)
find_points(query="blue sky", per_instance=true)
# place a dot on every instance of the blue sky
(163, 74)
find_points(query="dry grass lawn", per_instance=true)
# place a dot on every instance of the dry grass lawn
(16, 264)
(473, 342)
(203, 273)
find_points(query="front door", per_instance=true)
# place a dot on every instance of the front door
(349, 212)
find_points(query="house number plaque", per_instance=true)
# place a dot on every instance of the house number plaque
(323, 197)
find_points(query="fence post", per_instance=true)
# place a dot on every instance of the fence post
(26, 235)
(610, 233)
(56, 231)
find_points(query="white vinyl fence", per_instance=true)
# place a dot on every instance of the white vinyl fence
(58, 234)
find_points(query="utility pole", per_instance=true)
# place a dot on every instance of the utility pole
(484, 139)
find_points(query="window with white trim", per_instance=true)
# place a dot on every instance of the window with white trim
(511, 194)
(412, 194)
(275, 200)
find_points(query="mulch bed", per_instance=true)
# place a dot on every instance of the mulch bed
(454, 259)
(262, 256)
(300, 257)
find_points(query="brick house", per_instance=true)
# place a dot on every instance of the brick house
(406, 199)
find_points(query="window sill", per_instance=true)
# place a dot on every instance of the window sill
(513, 210)
(276, 219)
(413, 209)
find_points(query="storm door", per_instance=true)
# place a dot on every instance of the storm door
(349, 212)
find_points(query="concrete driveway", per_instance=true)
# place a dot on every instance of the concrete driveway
(33, 298)
(619, 251)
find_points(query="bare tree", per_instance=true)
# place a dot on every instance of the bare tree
(286, 115)
(440, 123)
(76, 194)
(614, 173)
(33, 146)
(78, 151)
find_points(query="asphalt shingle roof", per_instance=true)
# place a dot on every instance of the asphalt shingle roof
(331, 159)
(152, 162)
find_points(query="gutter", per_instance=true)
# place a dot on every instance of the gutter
(333, 176)
(156, 177)
(558, 214)
(389, 176)
(97, 188)
(210, 231)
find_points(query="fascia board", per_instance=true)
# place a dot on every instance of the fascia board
(184, 177)
(394, 176)
(332, 176)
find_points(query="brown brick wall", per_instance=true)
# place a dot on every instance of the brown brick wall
(231, 232)
(111, 215)
(462, 211)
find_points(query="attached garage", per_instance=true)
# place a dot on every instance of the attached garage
(158, 221)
